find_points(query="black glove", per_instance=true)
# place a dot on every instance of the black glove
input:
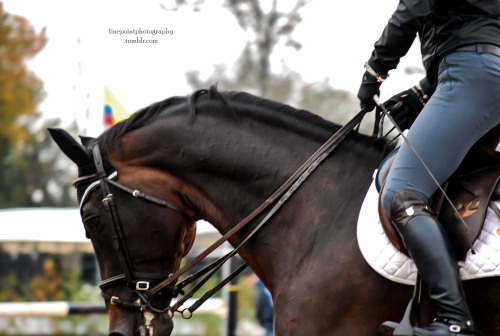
(369, 87)
(406, 106)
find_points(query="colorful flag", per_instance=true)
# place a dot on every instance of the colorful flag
(113, 110)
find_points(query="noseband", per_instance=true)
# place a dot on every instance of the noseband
(137, 282)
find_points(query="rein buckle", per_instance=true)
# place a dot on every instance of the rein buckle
(142, 285)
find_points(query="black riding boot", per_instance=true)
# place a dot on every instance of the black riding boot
(429, 247)
(433, 255)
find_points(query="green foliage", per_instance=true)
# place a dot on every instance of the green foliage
(49, 284)
(27, 166)
(12, 290)
(210, 324)
(21, 89)
(246, 297)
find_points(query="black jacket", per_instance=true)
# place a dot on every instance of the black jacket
(442, 26)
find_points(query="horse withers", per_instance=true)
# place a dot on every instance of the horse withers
(216, 156)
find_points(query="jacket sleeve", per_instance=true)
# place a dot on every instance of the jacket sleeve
(399, 34)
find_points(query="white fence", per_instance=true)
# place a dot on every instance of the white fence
(62, 308)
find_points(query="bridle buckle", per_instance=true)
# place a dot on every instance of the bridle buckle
(114, 300)
(142, 285)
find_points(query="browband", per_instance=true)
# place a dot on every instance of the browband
(94, 186)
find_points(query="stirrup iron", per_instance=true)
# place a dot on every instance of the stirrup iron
(404, 328)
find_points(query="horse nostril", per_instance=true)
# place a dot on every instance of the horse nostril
(113, 333)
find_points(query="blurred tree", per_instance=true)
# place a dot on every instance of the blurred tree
(267, 26)
(21, 89)
(289, 87)
(48, 180)
(47, 285)
(11, 289)
(26, 168)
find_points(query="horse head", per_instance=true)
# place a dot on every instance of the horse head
(139, 239)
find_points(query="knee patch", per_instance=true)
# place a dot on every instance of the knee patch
(406, 205)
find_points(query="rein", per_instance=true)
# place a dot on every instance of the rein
(142, 287)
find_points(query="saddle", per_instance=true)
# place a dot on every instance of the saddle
(470, 189)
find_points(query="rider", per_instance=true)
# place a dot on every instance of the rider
(460, 97)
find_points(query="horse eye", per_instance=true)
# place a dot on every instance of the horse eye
(92, 224)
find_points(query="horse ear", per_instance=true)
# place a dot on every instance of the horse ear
(85, 140)
(75, 151)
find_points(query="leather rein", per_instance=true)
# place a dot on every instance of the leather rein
(141, 283)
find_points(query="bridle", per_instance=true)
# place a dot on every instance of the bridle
(140, 282)
(137, 282)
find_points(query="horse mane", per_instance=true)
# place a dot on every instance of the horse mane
(299, 114)
(137, 120)
(232, 100)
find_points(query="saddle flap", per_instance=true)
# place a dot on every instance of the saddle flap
(469, 194)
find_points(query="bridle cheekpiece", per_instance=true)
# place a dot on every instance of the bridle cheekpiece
(137, 282)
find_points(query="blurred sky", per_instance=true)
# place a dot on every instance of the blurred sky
(82, 55)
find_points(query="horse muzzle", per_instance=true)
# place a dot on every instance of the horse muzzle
(123, 322)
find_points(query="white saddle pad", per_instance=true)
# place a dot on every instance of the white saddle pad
(384, 258)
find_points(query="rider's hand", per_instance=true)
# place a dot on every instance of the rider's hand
(369, 87)
(406, 106)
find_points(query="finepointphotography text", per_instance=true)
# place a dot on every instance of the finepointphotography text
(135, 39)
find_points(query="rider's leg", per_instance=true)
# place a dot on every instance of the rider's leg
(463, 109)
(432, 253)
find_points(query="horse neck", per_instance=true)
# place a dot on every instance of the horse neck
(224, 168)
(242, 163)
(224, 165)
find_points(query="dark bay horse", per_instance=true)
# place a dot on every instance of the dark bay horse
(217, 156)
